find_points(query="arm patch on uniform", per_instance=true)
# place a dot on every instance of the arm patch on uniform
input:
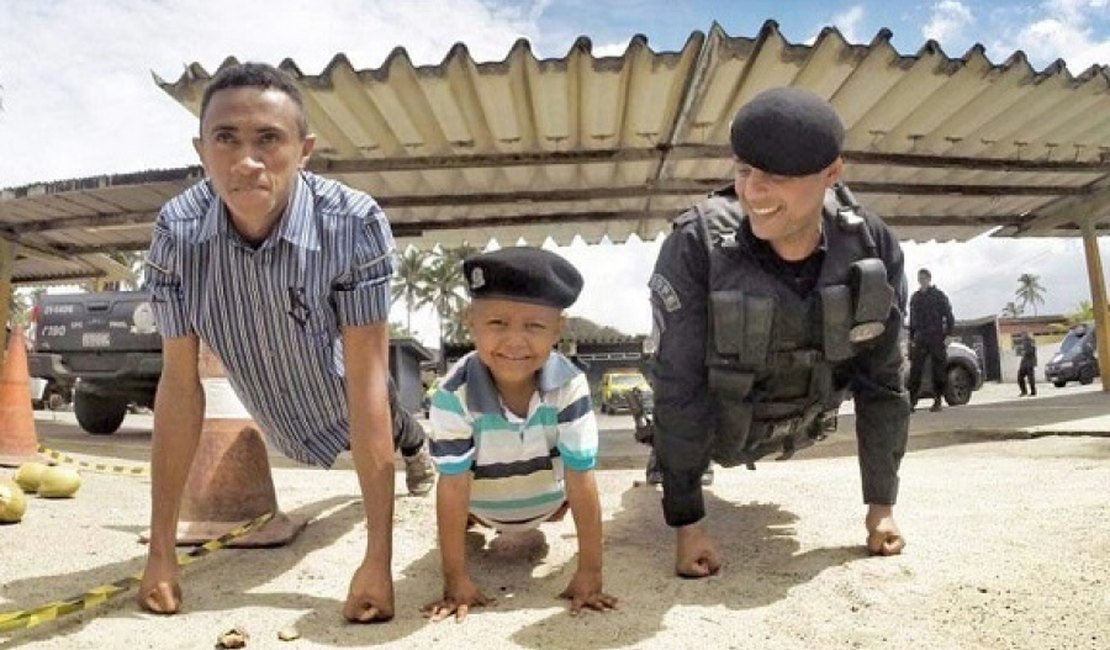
(662, 288)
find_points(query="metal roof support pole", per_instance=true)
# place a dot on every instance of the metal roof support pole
(7, 264)
(1098, 299)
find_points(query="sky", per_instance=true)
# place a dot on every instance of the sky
(79, 97)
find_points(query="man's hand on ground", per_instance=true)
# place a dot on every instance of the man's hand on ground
(696, 556)
(883, 535)
(370, 598)
(160, 589)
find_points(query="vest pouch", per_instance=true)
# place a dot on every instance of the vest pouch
(873, 295)
(742, 325)
(734, 415)
(836, 312)
(727, 308)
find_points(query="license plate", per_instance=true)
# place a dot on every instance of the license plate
(96, 340)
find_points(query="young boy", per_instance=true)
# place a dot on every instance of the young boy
(513, 430)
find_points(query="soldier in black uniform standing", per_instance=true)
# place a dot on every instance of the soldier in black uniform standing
(1027, 348)
(931, 324)
(771, 300)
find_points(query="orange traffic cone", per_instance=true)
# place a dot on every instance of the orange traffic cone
(230, 483)
(18, 441)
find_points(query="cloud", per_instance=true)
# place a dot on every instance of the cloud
(610, 49)
(79, 99)
(948, 20)
(848, 22)
(980, 275)
(1064, 29)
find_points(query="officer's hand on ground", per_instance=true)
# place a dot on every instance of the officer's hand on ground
(370, 598)
(883, 534)
(459, 597)
(696, 556)
(584, 590)
(160, 589)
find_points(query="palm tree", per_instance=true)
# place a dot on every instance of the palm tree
(445, 290)
(1084, 312)
(1011, 310)
(409, 281)
(1030, 291)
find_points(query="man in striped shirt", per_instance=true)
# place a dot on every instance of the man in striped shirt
(285, 275)
(513, 430)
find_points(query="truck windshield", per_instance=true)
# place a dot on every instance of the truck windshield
(1071, 341)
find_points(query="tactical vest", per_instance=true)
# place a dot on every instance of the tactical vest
(771, 353)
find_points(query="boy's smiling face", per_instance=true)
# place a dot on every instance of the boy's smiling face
(514, 339)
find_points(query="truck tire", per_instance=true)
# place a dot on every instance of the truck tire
(98, 415)
(958, 389)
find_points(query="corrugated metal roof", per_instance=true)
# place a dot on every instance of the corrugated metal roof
(943, 148)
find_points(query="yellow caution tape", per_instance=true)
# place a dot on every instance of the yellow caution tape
(132, 470)
(27, 618)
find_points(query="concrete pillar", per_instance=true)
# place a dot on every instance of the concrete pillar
(1098, 299)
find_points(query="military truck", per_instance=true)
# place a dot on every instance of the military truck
(105, 346)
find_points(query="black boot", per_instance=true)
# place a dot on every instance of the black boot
(652, 473)
(936, 405)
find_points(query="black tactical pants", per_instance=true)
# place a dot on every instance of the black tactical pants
(408, 435)
(1027, 371)
(933, 350)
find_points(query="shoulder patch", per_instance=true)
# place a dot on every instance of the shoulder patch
(661, 287)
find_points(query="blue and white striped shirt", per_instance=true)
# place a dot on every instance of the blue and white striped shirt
(273, 314)
(517, 463)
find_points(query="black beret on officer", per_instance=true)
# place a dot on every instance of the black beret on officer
(525, 274)
(787, 131)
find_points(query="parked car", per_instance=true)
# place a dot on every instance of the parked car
(105, 346)
(615, 386)
(964, 372)
(1077, 359)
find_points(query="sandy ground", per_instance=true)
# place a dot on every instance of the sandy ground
(1009, 547)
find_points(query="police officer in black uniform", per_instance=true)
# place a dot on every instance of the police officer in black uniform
(1027, 348)
(771, 300)
(931, 323)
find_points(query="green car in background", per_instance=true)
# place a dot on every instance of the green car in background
(615, 386)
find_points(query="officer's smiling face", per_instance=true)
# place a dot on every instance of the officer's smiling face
(514, 339)
(785, 210)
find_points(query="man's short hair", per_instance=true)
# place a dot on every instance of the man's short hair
(255, 75)
(925, 272)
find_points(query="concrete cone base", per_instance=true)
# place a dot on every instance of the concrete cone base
(15, 460)
(279, 531)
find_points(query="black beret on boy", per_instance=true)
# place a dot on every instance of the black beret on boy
(525, 274)
(787, 131)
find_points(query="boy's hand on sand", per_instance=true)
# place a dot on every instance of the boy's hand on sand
(458, 598)
(584, 590)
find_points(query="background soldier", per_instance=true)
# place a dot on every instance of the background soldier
(931, 324)
(771, 299)
(1027, 348)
